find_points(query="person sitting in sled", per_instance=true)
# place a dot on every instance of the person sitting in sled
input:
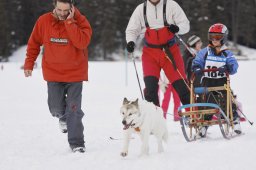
(216, 56)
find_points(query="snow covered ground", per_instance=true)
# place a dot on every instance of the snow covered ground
(30, 138)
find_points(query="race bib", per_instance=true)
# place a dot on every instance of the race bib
(214, 62)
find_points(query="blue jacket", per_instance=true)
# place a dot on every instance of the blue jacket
(207, 59)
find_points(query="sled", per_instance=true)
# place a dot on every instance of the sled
(192, 116)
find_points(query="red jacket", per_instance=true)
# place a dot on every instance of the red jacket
(65, 55)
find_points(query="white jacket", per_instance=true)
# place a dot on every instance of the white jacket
(174, 15)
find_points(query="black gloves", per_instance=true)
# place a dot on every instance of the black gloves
(223, 69)
(130, 46)
(230, 68)
(197, 70)
(226, 68)
(173, 28)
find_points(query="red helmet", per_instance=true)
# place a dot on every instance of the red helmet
(218, 32)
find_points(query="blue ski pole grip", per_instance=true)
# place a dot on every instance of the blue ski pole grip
(200, 90)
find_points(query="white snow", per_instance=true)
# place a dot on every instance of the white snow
(30, 138)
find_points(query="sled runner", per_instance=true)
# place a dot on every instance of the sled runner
(193, 116)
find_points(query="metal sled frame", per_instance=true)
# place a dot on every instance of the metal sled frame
(192, 119)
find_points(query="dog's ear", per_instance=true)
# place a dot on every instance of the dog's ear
(125, 101)
(136, 102)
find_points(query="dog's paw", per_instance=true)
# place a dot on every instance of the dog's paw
(124, 154)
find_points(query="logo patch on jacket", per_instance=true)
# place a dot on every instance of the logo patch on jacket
(59, 40)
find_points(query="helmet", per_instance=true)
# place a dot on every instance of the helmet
(192, 40)
(218, 32)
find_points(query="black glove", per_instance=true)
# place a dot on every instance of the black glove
(173, 28)
(197, 70)
(230, 68)
(130, 46)
(223, 69)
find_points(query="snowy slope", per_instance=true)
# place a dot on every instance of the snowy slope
(30, 138)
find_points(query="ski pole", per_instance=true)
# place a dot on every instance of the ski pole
(233, 99)
(251, 123)
(191, 52)
(133, 59)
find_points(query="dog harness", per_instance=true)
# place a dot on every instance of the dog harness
(137, 129)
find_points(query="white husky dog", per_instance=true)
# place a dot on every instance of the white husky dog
(144, 118)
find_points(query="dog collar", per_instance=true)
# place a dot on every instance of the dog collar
(137, 129)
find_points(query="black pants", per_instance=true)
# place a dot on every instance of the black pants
(151, 90)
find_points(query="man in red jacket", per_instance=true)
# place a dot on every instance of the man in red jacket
(65, 35)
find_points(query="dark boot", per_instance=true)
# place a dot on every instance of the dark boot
(151, 90)
(182, 90)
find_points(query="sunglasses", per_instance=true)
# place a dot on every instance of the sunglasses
(215, 36)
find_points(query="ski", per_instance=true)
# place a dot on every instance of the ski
(113, 138)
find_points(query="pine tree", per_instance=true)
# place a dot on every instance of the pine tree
(4, 32)
(109, 19)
